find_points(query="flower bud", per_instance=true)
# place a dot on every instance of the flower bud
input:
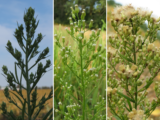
(153, 102)
(94, 55)
(110, 39)
(108, 55)
(70, 19)
(72, 10)
(5, 69)
(112, 23)
(29, 41)
(82, 34)
(135, 74)
(139, 82)
(114, 90)
(79, 23)
(73, 15)
(99, 47)
(150, 47)
(91, 23)
(83, 14)
(71, 26)
(83, 23)
(131, 115)
(134, 67)
(63, 39)
(60, 106)
(76, 9)
(122, 68)
(109, 90)
(76, 28)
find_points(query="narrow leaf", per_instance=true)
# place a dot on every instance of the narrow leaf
(50, 111)
(126, 107)
(122, 56)
(130, 106)
(117, 118)
(121, 94)
(17, 97)
(16, 73)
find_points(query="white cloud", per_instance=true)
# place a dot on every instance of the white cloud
(7, 34)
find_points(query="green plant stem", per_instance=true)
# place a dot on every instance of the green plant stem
(84, 98)
(136, 90)
(112, 110)
(28, 84)
(134, 52)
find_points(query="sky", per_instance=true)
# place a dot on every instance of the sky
(11, 12)
(151, 5)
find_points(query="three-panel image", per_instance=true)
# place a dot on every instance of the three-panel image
(79, 60)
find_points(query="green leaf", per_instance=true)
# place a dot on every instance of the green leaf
(16, 96)
(55, 103)
(117, 118)
(16, 73)
(121, 94)
(146, 86)
(130, 106)
(45, 117)
(122, 56)
(51, 117)
(12, 116)
(126, 107)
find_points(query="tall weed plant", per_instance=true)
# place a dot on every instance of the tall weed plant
(81, 84)
(130, 55)
(29, 107)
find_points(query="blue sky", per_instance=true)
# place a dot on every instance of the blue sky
(11, 12)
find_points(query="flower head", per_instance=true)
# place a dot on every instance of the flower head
(109, 90)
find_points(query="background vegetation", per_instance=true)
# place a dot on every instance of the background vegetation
(95, 9)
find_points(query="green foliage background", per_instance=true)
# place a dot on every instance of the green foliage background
(95, 9)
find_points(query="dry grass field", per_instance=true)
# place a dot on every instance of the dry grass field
(41, 92)
(60, 30)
